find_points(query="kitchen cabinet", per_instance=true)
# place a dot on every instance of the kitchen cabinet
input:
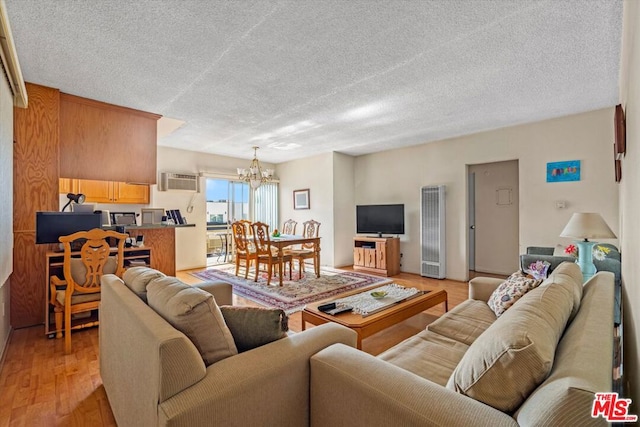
(106, 191)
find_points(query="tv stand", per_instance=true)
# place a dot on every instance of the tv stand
(377, 255)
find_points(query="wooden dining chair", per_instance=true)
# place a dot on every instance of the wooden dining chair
(289, 227)
(266, 254)
(311, 228)
(244, 246)
(79, 292)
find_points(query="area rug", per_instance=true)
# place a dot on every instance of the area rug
(294, 294)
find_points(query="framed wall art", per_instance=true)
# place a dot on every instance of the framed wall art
(301, 199)
(563, 171)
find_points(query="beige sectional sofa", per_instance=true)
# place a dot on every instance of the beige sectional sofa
(154, 375)
(538, 364)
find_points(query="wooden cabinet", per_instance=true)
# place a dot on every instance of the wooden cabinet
(106, 191)
(106, 142)
(378, 255)
(132, 257)
(35, 188)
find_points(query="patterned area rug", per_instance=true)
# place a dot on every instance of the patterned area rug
(294, 294)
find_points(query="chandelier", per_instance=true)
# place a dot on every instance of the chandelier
(255, 175)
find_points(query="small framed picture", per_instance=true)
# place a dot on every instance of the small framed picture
(301, 199)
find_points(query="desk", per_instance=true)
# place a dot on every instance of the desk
(289, 240)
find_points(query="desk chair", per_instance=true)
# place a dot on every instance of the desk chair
(80, 290)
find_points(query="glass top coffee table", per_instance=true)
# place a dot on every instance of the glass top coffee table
(365, 326)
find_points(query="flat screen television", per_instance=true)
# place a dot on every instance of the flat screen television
(380, 219)
(51, 225)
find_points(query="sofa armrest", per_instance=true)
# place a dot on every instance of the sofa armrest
(268, 385)
(350, 387)
(481, 288)
(221, 291)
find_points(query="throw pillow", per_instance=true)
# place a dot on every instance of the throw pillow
(515, 354)
(510, 291)
(137, 279)
(252, 327)
(195, 313)
(538, 270)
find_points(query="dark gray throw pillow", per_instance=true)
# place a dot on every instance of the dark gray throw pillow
(252, 327)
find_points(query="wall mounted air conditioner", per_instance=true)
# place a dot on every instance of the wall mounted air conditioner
(179, 182)
(432, 236)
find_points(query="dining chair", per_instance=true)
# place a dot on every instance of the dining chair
(79, 291)
(311, 228)
(266, 254)
(289, 227)
(244, 246)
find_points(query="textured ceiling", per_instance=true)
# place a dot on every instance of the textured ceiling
(303, 77)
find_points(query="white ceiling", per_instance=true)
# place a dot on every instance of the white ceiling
(304, 77)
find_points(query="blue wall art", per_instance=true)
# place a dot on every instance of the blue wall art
(563, 171)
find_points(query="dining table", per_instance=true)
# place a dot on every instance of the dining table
(285, 240)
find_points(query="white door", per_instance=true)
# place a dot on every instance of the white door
(496, 217)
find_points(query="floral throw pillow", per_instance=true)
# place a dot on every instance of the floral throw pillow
(510, 291)
(539, 269)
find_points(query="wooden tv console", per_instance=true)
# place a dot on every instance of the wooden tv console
(377, 255)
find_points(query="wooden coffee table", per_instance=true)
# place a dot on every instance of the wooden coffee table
(367, 326)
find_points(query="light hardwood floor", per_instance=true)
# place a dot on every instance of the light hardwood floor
(41, 386)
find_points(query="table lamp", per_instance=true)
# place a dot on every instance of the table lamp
(585, 226)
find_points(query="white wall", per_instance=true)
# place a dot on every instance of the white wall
(316, 174)
(6, 200)
(344, 209)
(396, 176)
(191, 243)
(630, 200)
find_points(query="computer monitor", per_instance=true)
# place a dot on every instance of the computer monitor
(51, 225)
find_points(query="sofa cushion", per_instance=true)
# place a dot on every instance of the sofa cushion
(428, 355)
(569, 273)
(465, 322)
(137, 279)
(510, 291)
(252, 327)
(515, 354)
(195, 313)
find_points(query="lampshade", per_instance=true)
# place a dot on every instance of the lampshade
(586, 225)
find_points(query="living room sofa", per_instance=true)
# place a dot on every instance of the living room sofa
(153, 374)
(471, 368)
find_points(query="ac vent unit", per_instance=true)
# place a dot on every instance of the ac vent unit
(179, 182)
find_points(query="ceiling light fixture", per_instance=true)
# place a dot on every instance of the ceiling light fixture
(255, 176)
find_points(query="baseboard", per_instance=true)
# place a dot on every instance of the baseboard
(3, 356)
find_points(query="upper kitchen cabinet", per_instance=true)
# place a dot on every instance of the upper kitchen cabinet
(111, 192)
(106, 142)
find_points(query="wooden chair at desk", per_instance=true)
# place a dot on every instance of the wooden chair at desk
(80, 290)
